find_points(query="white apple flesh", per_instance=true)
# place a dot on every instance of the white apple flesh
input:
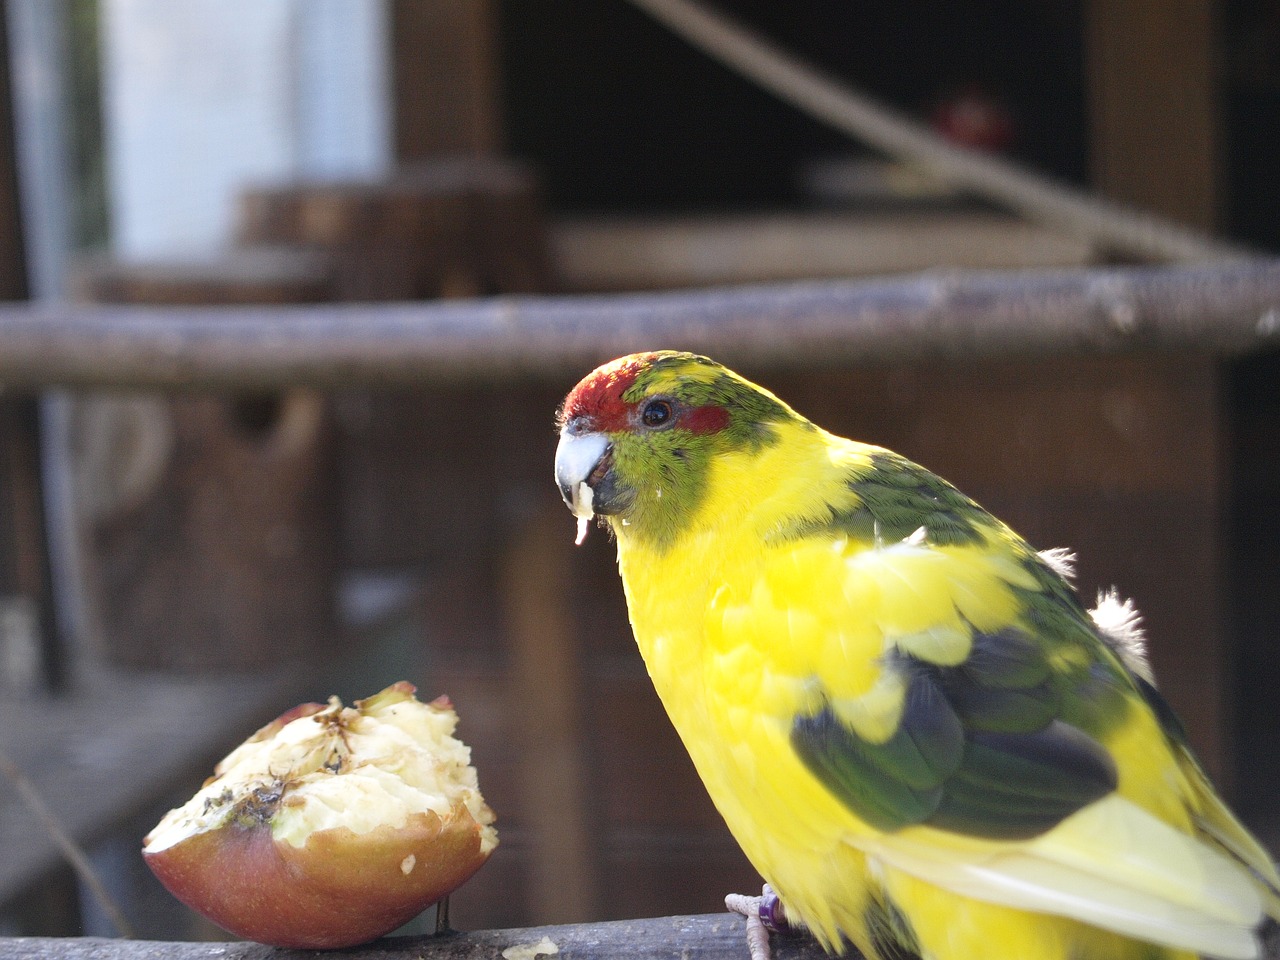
(330, 826)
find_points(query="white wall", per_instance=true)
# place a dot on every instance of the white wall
(201, 97)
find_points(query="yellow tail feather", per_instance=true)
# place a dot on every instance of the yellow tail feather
(1112, 865)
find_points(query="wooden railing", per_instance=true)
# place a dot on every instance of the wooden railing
(1227, 309)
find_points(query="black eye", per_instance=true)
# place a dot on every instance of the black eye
(656, 413)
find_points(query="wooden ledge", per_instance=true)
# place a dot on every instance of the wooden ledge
(657, 253)
(711, 937)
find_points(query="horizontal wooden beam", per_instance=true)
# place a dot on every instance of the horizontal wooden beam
(594, 254)
(1227, 309)
(712, 937)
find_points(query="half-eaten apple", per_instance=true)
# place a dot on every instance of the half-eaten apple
(331, 825)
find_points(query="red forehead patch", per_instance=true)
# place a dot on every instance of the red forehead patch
(599, 394)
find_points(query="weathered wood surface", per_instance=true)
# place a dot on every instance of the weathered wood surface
(1228, 309)
(712, 937)
(446, 79)
(545, 684)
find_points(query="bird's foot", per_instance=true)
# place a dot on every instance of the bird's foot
(764, 914)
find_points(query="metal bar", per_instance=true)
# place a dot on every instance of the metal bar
(1227, 309)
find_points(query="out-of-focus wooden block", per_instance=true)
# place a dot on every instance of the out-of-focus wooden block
(208, 522)
(215, 546)
(451, 227)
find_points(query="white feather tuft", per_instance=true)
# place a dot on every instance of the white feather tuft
(1120, 624)
(1062, 561)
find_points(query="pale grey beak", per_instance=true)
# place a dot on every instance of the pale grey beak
(576, 457)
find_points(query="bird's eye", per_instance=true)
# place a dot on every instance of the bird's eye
(656, 413)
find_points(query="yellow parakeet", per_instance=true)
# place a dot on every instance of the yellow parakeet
(914, 729)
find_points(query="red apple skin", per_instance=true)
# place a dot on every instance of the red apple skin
(339, 890)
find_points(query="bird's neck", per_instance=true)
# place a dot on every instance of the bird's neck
(752, 498)
(744, 493)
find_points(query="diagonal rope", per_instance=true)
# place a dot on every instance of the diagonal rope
(1120, 229)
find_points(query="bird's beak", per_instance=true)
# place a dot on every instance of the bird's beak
(577, 458)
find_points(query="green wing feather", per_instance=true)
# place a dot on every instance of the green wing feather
(979, 750)
(1008, 747)
(989, 747)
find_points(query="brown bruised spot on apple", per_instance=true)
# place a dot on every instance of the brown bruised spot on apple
(331, 825)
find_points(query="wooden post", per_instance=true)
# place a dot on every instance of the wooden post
(546, 698)
(445, 72)
(1152, 94)
(13, 260)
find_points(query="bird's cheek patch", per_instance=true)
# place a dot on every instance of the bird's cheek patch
(708, 419)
